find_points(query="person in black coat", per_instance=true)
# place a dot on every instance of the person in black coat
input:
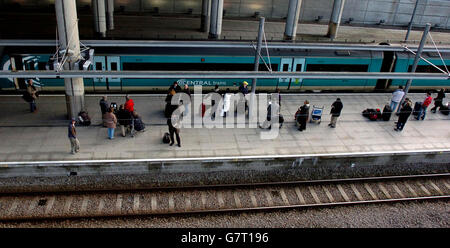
(335, 112)
(405, 112)
(302, 116)
(124, 118)
(438, 100)
(137, 124)
(175, 87)
(104, 107)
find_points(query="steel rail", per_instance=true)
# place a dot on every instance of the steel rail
(222, 75)
(225, 44)
(9, 215)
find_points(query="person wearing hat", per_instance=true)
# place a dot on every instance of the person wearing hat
(243, 88)
(72, 134)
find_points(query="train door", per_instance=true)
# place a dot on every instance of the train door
(286, 66)
(99, 65)
(113, 64)
(291, 65)
(298, 66)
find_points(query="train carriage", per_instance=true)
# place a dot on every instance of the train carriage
(221, 59)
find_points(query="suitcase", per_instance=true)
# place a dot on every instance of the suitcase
(387, 112)
(417, 107)
(444, 110)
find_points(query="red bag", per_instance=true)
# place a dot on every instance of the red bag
(203, 109)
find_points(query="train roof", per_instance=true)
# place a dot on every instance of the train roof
(172, 51)
(426, 55)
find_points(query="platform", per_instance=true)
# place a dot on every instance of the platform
(42, 136)
(42, 26)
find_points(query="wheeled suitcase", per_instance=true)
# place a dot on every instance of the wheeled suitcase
(417, 107)
(386, 116)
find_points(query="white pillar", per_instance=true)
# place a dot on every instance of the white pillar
(98, 8)
(216, 19)
(292, 19)
(110, 14)
(67, 22)
(206, 15)
(335, 19)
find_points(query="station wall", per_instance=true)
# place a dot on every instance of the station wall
(386, 12)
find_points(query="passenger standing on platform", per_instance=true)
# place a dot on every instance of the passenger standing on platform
(213, 102)
(174, 128)
(104, 106)
(175, 87)
(405, 112)
(226, 103)
(188, 92)
(424, 106)
(397, 96)
(33, 93)
(243, 88)
(129, 104)
(125, 120)
(302, 116)
(72, 134)
(438, 100)
(335, 112)
(111, 122)
(279, 97)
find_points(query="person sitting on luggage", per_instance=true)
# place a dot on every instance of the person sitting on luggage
(438, 100)
(424, 106)
(397, 96)
(84, 118)
(124, 118)
(137, 124)
(405, 112)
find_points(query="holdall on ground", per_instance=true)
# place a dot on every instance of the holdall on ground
(166, 138)
(373, 116)
(367, 112)
(386, 115)
(417, 107)
(445, 110)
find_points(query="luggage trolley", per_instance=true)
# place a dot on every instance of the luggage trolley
(316, 114)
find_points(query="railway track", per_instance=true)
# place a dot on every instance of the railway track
(205, 199)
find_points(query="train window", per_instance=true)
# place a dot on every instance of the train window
(343, 67)
(428, 68)
(298, 67)
(113, 66)
(285, 67)
(98, 66)
(189, 67)
(41, 65)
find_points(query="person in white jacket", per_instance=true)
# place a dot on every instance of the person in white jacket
(226, 103)
(397, 96)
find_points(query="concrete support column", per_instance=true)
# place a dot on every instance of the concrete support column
(67, 22)
(290, 30)
(98, 8)
(206, 15)
(110, 14)
(216, 19)
(335, 20)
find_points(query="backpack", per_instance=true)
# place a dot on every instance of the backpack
(84, 118)
(166, 138)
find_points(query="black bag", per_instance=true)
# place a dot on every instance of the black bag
(417, 107)
(366, 113)
(166, 138)
(27, 97)
(444, 110)
(386, 113)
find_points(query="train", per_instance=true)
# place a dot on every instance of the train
(225, 59)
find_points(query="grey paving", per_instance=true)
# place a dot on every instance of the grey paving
(43, 136)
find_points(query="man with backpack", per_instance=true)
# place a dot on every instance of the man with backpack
(405, 112)
(72, 134)
(438, 100)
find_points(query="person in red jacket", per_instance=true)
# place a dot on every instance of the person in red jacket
(425, 104)
(129, 104)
